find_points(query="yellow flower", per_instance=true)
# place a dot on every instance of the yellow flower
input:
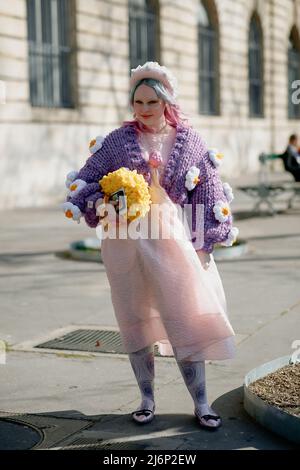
(135, 187)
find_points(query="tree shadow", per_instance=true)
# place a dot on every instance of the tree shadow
(165, 432)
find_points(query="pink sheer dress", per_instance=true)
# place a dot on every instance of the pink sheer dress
(162, 290)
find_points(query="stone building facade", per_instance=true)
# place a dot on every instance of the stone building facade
(39, 143)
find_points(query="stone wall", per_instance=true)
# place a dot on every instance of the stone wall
(39, 146)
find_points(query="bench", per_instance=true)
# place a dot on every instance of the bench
(267, 192)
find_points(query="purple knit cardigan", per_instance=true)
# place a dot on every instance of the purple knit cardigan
(121, 148)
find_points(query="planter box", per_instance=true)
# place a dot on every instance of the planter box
(88, 249)
(271, 417)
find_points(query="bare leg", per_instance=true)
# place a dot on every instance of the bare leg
(142, 363)
(194, 377)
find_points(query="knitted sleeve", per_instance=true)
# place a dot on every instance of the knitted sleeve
(211, 214)
(84, 190)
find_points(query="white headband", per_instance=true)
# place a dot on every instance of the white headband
(158, 72)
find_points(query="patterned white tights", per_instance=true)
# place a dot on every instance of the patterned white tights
(142, 363)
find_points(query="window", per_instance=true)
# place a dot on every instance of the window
(143, 32)
(293, 72)
(208, 60)
(256, 86)
(51, 59)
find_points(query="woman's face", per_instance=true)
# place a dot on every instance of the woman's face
(149, 109)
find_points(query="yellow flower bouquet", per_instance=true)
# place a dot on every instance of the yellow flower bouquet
(135, 187)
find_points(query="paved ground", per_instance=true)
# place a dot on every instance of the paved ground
(86, 399)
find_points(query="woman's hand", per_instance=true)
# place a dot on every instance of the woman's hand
(108, 217)
(205, 258)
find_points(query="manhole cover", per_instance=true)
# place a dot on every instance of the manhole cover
(25, 431)
(18, 436)
(101, 341)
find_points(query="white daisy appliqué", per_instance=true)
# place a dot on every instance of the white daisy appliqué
(71, 176)
(71, 211)
(216, 157)
(222, 211)
(192, 178)
(76, 186)
(232, 236)
(96, 144)
(228, 192)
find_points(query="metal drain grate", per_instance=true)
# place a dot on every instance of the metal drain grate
(101, 341)
(98, 444)
(82, 443)
(104, 341)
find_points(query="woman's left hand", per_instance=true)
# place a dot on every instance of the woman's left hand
(205, 258)
(114, 218)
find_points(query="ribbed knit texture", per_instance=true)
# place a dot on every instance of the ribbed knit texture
(121, 148)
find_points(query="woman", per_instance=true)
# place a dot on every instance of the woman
(164, 290)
